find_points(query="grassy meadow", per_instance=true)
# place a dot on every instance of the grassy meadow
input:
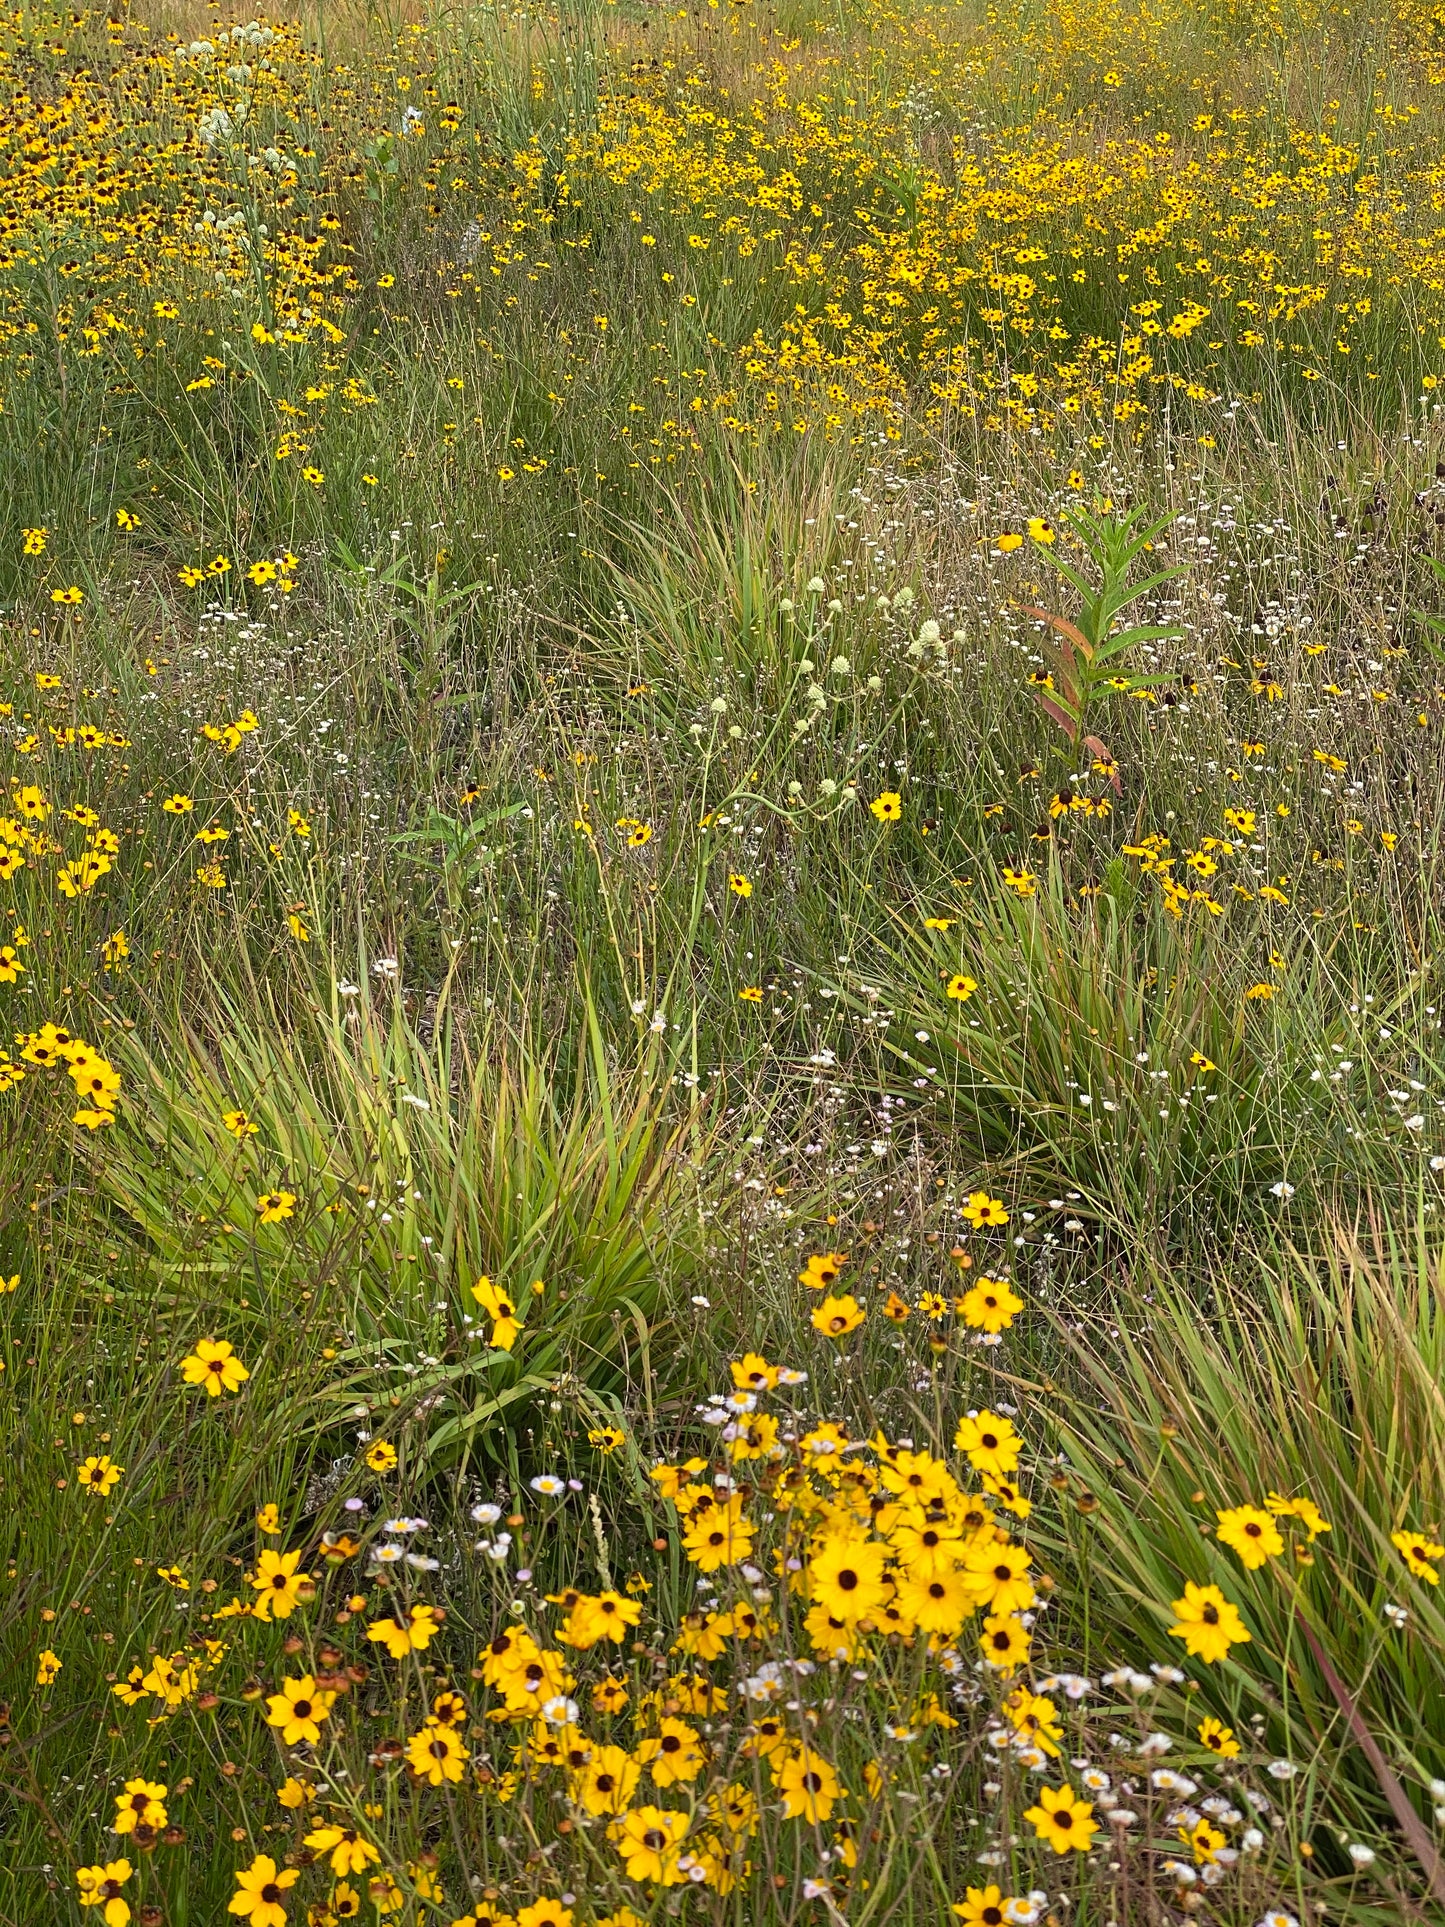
(722, 1096)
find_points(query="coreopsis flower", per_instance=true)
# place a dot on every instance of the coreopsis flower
(849, 1578)
(606, 1615)
(101, 1887)
(961, 986)
(1066, 1823)
(1207, 1623)
(808, 1784)
(608, 1780)
(989, 1306)
(142, 1803)
(47, 1667)
(985, 1907)
(298, 1711)
(279, 1583)
(381, 1456)
(261, 1890)
(822, 1270)
(406, 1629)
(1251, 1533)
(1303, 1509)
(888, 807)
(719, 1537)
(274, 1206)
(1417, 1551)
(500, 1307)
(740, 885)
(1004, 1642)
(214, 1364)
(673, 1755)
(984, 1212)
(649, 1839)
(1218, 1737)
(98, 1475)
(836, 1317)
(989, 1442)
(545, 1912)
(436, 1754)
(998, 1576)
(349, 1852)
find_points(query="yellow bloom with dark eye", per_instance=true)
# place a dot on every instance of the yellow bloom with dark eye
(606, 1439)
(1218, 1737)
(989, 1306)
(214, 1364)
(1251, 1533)
(984, 1212)
(673, 1755)
(11, 968)
(98, 1475)
(33, 541)
(381, 1456)
(1207, 1623)
(1301, 1508)
(101, 1887)
(435, 1754)
(349, 1852)
(808, 1784)
(298, 1711)
(961, 987)
(68, 598)
(990, 1906)
(1417, 1551)
(1004, 1642)
(1066, 1823)
(408, 1629)
(849, 1578)
(739, 884)
(498, 1306)
(888, 807)
(1040, 530)
(649, 1839)
(822, 1269)
(47, 1667)
(836, 1317)
(1009, 541)
(239, 1124)
(261, 1890)
(279, 1583)
(273, 1206)
(178, 805)
(141, 1804)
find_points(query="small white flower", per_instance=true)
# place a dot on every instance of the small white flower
(1281, 1769)
(423, 1562)
(387, 1555)
(417, 1103)
(1284, 1190)
(1397, 1615)
(486, 1515)
(815, 585)
(1277, 1917)
(548, 1484)
(386, 967)
(560, 1711)
(345, 989)
(1361, 1855)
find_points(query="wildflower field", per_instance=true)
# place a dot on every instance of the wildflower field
(722, 1094)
